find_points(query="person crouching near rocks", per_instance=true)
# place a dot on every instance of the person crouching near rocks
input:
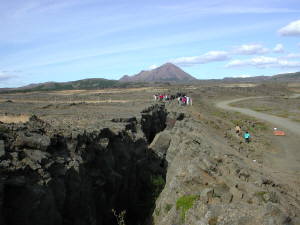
(247, 137)
(238, 130)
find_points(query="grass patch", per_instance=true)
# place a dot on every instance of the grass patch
(283, 114)
(261, 109)
(168, 207)
(251, 127)
(157, 183)
(157, 212)
(260, 195)
(184, 203)
(267, 196)
(260, 126)
(218, 113)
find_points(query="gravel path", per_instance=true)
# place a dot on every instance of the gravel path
(284, 161)
(294, 127)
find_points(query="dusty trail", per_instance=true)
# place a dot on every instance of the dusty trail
(294, 127)
(284, 160)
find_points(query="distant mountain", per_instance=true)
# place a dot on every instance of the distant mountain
(93, 83)
(285, 77)
(166, 73)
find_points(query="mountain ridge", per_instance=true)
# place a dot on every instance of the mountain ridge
(148, 76)
(167, 72)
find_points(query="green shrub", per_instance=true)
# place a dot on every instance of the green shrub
(157, 212)
(184, 203)
(120, 217)
(158, 183)
(168, 207)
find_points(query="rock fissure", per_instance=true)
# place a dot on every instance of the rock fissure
(60, 177)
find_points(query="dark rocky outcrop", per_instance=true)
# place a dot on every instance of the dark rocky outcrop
(153, 121)
(59, 177)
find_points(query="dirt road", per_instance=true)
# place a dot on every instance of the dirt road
(294, 127)
(284, 160)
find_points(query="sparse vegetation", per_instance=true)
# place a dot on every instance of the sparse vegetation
(282, 106)
(120, 217)
(213, 221)
(158, 184)
(157, 211)
(184, 203)
(250, 124)
(262, 109)
(265, 196)
(168, 207)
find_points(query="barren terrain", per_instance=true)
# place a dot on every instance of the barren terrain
(112, 142)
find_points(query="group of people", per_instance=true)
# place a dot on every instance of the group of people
(162, 97)
(185, 100)
(246, 134)
(181, 98)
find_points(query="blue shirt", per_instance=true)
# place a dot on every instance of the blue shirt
(247, 135)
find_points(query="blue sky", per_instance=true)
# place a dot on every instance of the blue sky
(63, 40)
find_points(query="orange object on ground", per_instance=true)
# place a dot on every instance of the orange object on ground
(279, 133)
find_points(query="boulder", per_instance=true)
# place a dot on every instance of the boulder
(161, 143)
(35, 141)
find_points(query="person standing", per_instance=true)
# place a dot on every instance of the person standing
(247, 137)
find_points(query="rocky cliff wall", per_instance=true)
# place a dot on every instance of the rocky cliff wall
(209, 183)
(54, 177)
(50, 176)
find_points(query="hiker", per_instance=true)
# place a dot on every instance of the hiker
(187, 100)
(247, 137)
(183, 100)
(179, 100)
(161, 97)
(237, 129)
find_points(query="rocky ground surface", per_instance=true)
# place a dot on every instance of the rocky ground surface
(210, 182)
(169, 164)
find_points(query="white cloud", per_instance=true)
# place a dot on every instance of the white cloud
(152, 67)
(212, 56)
(292, 29)
(291, 56)
(278, 48)
(9, 79)
(237, 63)
(4, 76)
(250, 49)
(242, 76)
(264, 62)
